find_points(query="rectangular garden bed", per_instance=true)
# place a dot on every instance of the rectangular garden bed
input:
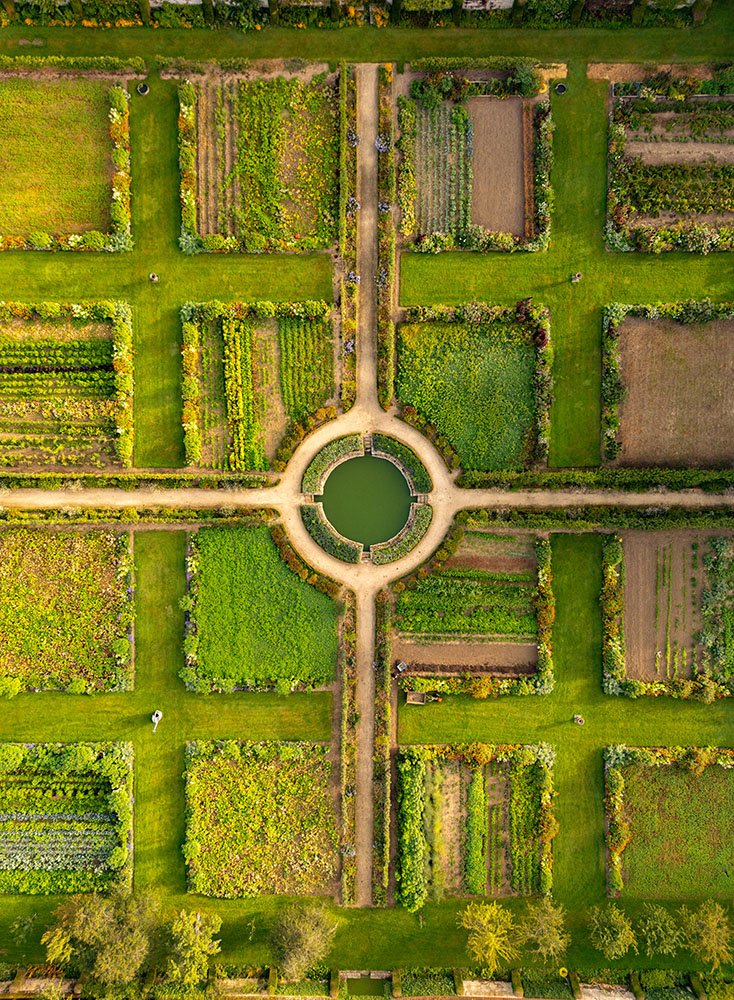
(259, 155)
(66, 823)
(666, 378)
(480, 378)
(475, 155)
(670, 822)
(253, 375)
(64, 159)
(253, 622)
(666, 608)
(66, 385)
(261, 819)
(481, 622)
(671, 164)
(66, 610)
(455, 836)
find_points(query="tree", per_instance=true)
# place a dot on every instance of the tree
(611, 931)
(544, 929)
(707, 933)
(301, 938)
(108, 938)
(192, 945)
(492, 935)
(659, 930)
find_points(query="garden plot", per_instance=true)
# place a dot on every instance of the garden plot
(64, 163)
(66, 611)
(472, 150)
(66, 385)
(665, 580)
(473, 820)
(481, 375)
(499, 162)
(261, 819)
(252, 622)
(672, 811)
(266, 160)
(65, 817)
(475, 618)
(252, 373)
(677, 381)
(671, 172)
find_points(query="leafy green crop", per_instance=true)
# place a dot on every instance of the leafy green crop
(253, 622)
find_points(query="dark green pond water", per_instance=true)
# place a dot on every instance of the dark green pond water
(367, 499)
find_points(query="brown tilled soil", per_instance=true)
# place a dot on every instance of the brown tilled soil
(630, 72)
(678, 409)
(498, 187)
(495, 553)
(266, 384)
(505, 659)
(452, 824)
(662, 602)
(206, 158)
(655, 153)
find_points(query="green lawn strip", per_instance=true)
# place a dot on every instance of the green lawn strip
(55, 156)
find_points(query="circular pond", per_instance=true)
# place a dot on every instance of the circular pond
(367, 499)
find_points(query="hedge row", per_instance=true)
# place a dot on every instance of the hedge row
(348, 749)
(323, 534)
(417, 472)
(386, 239)
(596, 518)
(418, 524)
(382, 773)
(655, 479)
(321, 463)
(348, 207)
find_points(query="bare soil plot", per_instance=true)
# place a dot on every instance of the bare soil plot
(498, 189)
(664, 580)
(656, 153)
(678, 379)
(506, 659)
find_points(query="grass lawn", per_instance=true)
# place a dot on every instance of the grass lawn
(475, 385)
(55, 156)
(682, 832)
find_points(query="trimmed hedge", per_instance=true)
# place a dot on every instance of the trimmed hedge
(406, 541)
(419, 476)
(320, 464)
(323, 534)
